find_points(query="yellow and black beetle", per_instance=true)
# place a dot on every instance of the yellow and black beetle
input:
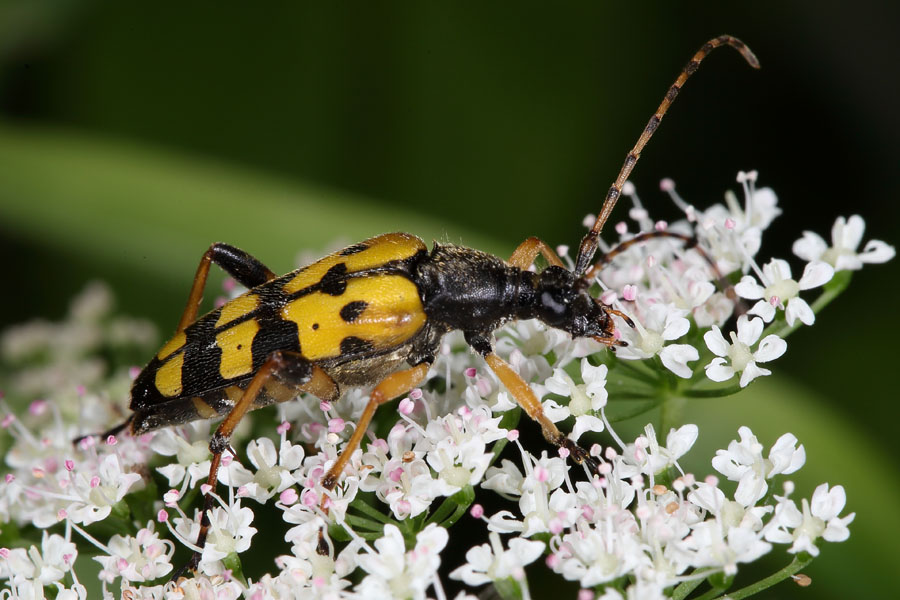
(373, 314)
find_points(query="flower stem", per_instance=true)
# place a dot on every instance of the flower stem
(671, 413)
(796, 565)
(832, 290)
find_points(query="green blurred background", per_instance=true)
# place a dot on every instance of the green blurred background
(134, 134)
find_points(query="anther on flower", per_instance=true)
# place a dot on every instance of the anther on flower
(406, 406)
(288, 496)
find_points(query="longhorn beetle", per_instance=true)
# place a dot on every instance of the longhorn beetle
(374, 314)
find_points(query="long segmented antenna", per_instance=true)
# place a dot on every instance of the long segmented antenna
(589, 243)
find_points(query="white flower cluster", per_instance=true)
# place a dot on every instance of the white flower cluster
(380, 532)
(624, 523)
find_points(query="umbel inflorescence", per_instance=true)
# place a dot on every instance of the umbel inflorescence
(637, 526)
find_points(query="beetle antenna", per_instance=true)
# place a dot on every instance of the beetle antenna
(589, 243)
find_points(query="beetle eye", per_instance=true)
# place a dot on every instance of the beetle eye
(552, 304)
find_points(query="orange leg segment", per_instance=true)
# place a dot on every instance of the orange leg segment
(298, 372)
(530, 403)
(247, 270)
(393, 386)
(524, 255)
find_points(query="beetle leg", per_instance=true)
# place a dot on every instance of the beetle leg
(290, 367)
(392, 386)
(524, 255)
(524, 395)
(247, 270)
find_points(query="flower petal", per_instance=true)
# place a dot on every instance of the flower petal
(877, 251)
(770, 348)
(816, 273)
(717, 370)
(716, 342)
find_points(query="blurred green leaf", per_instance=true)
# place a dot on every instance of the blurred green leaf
(118, 202)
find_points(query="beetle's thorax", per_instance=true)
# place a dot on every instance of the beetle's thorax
(474, 291)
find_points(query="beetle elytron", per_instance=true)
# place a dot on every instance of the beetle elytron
(373, 314)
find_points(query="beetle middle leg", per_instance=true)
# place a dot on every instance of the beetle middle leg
(289, 367)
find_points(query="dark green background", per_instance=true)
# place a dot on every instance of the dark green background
(134, 134)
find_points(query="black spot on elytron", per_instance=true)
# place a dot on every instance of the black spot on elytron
(352, 310)
(354, 249)
(351, 345)
(315, 326)
(239, 346)
(334, 282)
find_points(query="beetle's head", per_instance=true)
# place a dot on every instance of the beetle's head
(563, 302)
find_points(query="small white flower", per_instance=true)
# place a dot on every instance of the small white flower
(585, 399)
(743, 462)
(393, 572)
(818, 519)
(274, 470)
(141, 558)
(742, 360)
(229, 531)
(646, 456)
(659, 323)
(781, 290)
(45, 566)
(98, 493)
(714, 547)
(846, 235)
(490, 562)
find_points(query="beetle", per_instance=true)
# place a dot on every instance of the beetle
(374, 314)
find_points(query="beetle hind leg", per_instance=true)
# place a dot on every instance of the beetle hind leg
(246, 269)
(287, 367)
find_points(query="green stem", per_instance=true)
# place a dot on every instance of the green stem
(459, 512)
(640, 371)
(833, 289)
(443, 511)
(371, 511)
(796, 565)
(685, 588)
(363, 523)
(714, 392)
(671, 413)
(710, 593)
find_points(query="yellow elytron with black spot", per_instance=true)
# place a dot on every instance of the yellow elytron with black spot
(373, 314)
